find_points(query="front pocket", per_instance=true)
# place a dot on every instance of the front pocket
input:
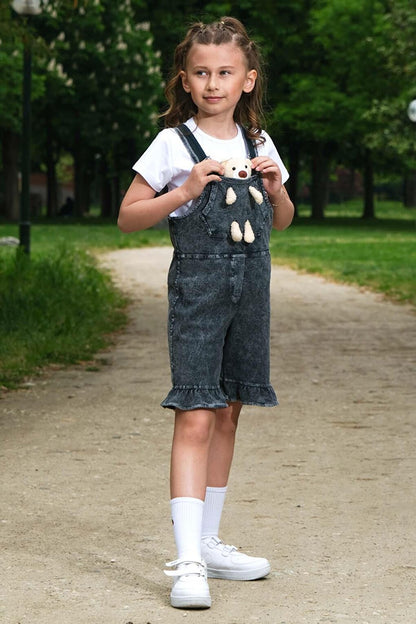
(231, 201)
(212, 215)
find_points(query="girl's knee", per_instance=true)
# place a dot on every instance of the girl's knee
(226, 419)
(195, 426)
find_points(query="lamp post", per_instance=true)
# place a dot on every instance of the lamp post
(410, 192)
(411, 111)
(26, 8)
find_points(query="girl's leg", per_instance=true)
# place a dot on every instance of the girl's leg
(224, 561)
(190, 452)
(219, 464)
(189, 463)
(221, 449)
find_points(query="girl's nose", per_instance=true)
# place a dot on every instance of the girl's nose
(212, 84)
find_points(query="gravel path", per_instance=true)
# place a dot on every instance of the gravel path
(324, 485)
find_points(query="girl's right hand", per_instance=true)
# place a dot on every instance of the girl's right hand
(202, 173)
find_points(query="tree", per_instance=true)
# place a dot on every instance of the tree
(112, 83)
(393, 133)
(13, 32)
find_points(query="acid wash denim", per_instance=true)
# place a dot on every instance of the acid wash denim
(219, 302)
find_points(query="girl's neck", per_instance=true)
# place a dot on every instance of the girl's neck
(218, 128)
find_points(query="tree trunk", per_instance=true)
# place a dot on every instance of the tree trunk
(116, 196)
(10, 152)
(82, 184)
(321, 163)
(52, 182)
(368, 212)
(106, 190)
(409, 188)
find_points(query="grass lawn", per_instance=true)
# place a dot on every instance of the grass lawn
(56, 307)
(379, 254)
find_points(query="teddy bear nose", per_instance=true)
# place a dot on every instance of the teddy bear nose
(242, 174)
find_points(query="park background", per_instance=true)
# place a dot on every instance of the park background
(341, 75)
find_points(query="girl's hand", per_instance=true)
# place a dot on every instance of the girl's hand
(272, 176)
(283, 209)
(202, 173)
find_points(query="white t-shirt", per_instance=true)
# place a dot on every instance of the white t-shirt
(167, 161)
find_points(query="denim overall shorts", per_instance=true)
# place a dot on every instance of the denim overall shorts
(219, 296)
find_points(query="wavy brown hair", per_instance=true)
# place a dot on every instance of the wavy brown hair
(249, 111)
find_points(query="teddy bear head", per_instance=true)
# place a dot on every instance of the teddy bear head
(239, 168)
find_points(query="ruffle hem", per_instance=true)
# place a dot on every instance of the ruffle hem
(215, 397)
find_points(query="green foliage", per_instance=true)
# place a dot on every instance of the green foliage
(56, 308)
(110, 73)
(393, 132)
(14, 34)
(341, 74)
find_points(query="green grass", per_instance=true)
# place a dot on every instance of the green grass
(379, 254)
(59, 308)
(56, 308)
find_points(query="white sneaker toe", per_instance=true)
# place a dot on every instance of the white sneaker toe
(226, 562)
(190, 587)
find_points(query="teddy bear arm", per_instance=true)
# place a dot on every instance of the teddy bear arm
(230, 196)
(256, 195)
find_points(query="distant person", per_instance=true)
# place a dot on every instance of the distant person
(67, 208)
(219, 287)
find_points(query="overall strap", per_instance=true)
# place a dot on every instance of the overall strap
(196, 151)
(251, 147)
(191, 144)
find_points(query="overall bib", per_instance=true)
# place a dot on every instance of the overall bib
(219, 296)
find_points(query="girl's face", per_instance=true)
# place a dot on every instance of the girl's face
(216, 76)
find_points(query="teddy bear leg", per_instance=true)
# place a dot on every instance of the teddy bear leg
(236, 233)
(248, 232)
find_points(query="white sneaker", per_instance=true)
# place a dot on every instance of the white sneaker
(225, 562)
(190, 587)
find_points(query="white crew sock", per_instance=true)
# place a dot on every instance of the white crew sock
(214, 502)
(187, 523)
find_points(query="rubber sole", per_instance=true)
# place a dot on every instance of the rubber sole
(239, 575)
(190, 602)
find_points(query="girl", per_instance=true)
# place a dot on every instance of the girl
(218, 283)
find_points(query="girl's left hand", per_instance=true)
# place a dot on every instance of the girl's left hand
(272, 176)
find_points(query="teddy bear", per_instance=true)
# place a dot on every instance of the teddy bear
(240, 169)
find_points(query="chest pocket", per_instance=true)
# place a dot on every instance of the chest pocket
(237, 210)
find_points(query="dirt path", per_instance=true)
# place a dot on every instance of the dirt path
(324, 485)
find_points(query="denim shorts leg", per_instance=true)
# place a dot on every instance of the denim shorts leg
(199, 315)
(245, 372)
(219, 332)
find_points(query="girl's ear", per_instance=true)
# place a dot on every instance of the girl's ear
(185, 81)
(250, 81)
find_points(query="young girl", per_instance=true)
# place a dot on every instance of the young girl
(218, 283)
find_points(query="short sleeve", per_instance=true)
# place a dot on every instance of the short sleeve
(155, 164)
(269, 149)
